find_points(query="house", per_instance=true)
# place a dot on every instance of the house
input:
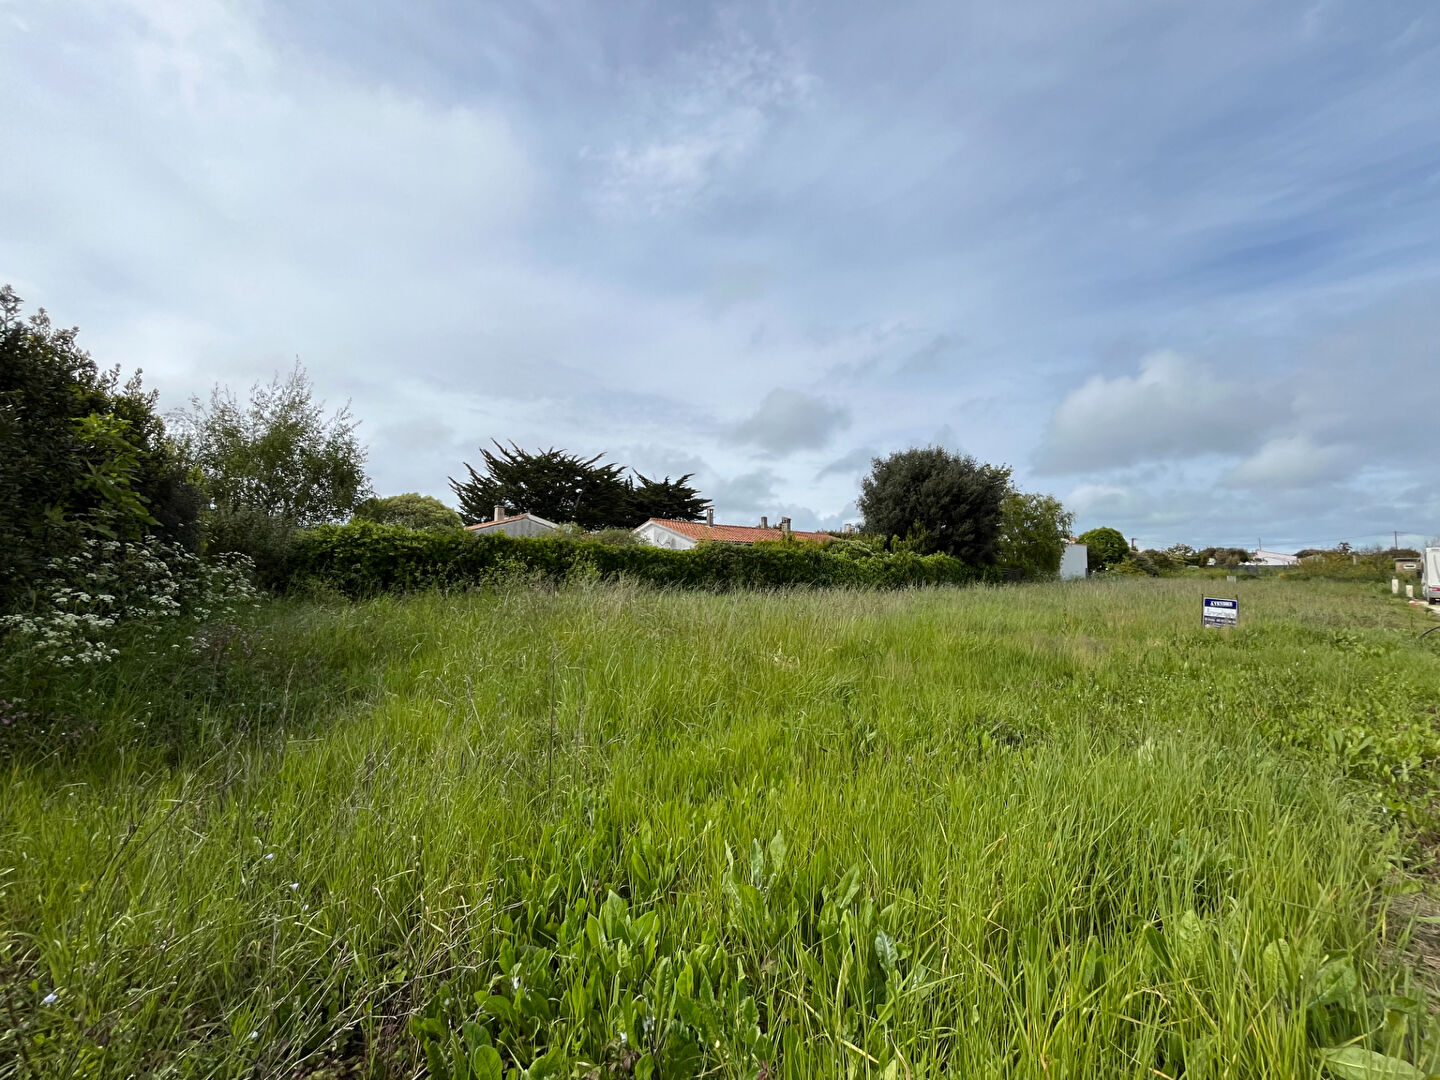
(513, 525)
(1271, 558)
(683, 535)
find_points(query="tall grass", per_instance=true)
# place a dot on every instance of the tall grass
(1045, 831)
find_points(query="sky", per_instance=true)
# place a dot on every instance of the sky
(1176, 264)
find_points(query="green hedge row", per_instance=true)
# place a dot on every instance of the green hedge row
(364, 559)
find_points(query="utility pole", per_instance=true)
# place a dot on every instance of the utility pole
(1396, 546)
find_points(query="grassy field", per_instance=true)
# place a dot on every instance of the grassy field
(1043, 831)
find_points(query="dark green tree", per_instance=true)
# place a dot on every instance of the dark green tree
(674, 500)
(271, 465)
(277, 454)
(940, 501)
(1105, 547)
(554, 484)
(1223, 556)
(1033, 531)
(412, 510)
(81, 454)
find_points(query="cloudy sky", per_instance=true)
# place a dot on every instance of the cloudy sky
(1178, 264)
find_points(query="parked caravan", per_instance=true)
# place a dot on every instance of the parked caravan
(1430, 576)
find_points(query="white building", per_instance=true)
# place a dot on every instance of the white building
(1271, 558)
(513, 525)
(1074, 561)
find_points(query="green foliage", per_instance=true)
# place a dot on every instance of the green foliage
(1223, 556)
(91, 599)
(566, 488)
(84, 457)
(1033, 532)
(943, 502)
(412, 510)
(276, 455)
(1001, 833)
(1342, 566)
(362, 559)
(674, 500)
(619, 537)
(1105, 547)
(556, 485)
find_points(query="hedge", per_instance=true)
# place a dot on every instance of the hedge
(363, 559)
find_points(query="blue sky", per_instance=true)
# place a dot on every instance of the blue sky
(1176, 264)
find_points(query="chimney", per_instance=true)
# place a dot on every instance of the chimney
(785, 525)
(764, 522)
(710, 516)
(1134, 543)
(499, 512)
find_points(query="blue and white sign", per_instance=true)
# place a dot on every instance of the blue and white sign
(1217, 611)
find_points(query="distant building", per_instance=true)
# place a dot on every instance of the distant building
(513, 525)
(683, 535)
(1271, 558)
(1407, 566)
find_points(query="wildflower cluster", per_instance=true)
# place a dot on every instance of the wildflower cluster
(86, 598)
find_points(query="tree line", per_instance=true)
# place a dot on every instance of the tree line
(85, 455)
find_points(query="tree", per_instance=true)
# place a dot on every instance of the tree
(674, 500)
(1182, 554)
(1105, 547)
(1033, 531)
(1223, 556)
(81, 455)
(943, 502)
(277, 455)
(412, 510)
(554, 484)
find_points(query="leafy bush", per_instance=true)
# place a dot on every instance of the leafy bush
(942, 502)
(585, 986)
(616, 537)
(361, 559)
(88, 598)
(1344, 566)
(1105, 547)
(413, 510)
(83, 456)
(1032, 533)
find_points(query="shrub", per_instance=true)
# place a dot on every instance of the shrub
(1105, 547)
(413, 510)
(616, 537)
(942, 502)
(1032, 534)
(81, 455)
(86, 600)
(362, 559)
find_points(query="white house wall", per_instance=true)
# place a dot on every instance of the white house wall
(1074, 562)
(661, 537)
(523, 527)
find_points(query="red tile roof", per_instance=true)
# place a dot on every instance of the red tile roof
(734, 534)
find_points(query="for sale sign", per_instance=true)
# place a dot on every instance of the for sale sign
(1217, 611)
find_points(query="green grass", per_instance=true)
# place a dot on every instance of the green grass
(1050, 831)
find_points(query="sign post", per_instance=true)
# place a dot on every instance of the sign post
(1217, 611)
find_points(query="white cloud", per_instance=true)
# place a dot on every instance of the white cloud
(1173, 406)
(704, 115)
(788, 420)
(1287, 462)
